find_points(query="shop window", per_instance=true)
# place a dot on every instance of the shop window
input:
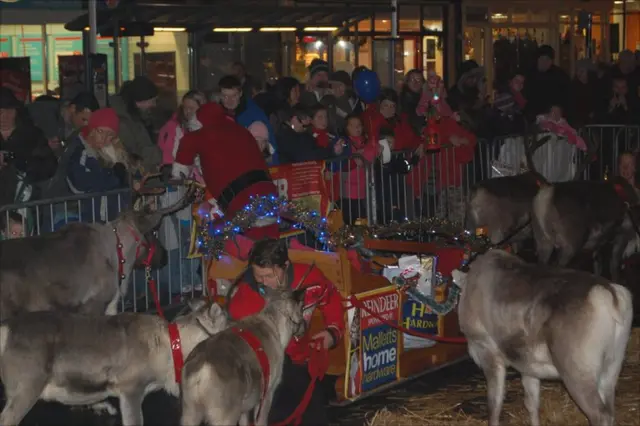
(167, 64)
(382, 22)
(432, 51)
(432, 18)
(410, 54)
(520, 15)
(26, 41)
(344, 54)
(365, 57)
(540, 15)
(215, 59)
(262, 54)
(473, 47)
(409, 18)
(625, 30)
(309, 48)
(364, 25)
(476, 14)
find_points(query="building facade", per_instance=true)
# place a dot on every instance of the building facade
(194, 44)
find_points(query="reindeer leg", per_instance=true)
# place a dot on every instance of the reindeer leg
(531, 387)
(131, 408)
(495, 372)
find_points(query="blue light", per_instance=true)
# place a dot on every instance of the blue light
(236, 229)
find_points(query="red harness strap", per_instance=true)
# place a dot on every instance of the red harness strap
(174, 333)
(255, 344)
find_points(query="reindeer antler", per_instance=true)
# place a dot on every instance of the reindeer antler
(531, 144)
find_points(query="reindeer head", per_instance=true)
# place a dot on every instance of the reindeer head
(146, 222)
(291, 305)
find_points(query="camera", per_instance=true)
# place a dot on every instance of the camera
(8, 156)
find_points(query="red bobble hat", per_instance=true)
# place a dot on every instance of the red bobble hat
(105, 117)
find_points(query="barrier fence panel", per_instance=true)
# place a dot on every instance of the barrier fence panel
(406, 186)
(613, 140)
(181, 277)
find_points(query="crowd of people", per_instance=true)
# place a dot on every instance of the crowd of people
(55, 148)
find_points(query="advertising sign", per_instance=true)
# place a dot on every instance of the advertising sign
(301, 182)
(63, 45)
(15, 75)
(304, 183)
(373, 346)
(6, 47)
(418, 317)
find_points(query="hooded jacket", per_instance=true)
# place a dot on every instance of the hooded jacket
(135, 137)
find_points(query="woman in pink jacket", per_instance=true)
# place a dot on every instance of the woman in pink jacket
(177, 228)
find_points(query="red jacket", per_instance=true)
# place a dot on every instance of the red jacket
(228, 153)
(248, 301)
(449, 162)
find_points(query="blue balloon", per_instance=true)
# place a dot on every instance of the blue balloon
(367, 85)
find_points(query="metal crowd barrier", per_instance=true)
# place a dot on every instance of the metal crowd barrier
(180, 278)
(404, 187)
(613, 140)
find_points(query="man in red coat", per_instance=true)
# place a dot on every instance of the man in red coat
(269, 266)
(233, 167)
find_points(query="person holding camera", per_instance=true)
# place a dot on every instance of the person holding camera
(318, 85)
(25, 156)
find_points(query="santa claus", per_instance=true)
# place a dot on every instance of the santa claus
(233, 168)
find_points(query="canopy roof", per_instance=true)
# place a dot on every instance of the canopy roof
(195, 14)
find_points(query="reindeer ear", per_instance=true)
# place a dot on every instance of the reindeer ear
(298, 295)
(215, 310)
(196, 304)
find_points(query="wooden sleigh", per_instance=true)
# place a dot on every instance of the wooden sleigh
(337, 267)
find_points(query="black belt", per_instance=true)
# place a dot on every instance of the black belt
(241, 183)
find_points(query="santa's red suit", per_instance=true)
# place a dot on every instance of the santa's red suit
(233, 167)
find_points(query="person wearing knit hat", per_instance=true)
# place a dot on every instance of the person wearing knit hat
(318, 83)
(547, 85)
(135, 105)
(98, 164)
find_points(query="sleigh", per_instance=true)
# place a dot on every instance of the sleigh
(372, 357)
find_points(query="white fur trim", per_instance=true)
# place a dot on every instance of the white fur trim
(180, 169)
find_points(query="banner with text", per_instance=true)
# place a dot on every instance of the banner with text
(373, 347)
(418, 317)
(303, 183)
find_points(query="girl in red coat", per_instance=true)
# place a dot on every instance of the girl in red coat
(269, 266)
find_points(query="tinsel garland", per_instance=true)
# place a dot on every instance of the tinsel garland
(423, 230)
(213, 235)
(440, 308)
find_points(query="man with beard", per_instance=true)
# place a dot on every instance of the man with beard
(135, 105)
(99, 164)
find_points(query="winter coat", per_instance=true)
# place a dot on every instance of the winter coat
(135, 136)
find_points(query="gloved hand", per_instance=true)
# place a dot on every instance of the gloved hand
(120, 171)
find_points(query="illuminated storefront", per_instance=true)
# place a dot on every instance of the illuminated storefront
(504, 35)
(193, 46)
